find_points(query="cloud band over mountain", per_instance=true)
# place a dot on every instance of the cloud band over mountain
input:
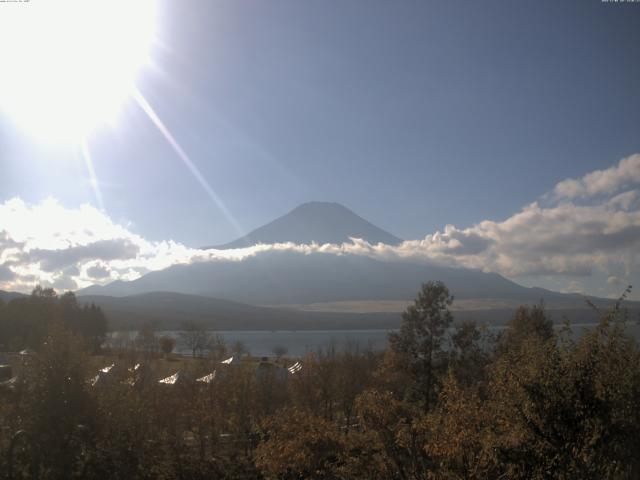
(583, 228)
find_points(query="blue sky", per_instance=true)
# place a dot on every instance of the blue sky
(414, 114)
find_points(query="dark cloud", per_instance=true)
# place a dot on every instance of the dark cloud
(98, 272)
(6, 274)
(107, 250)
(64, 283)
(71, 271)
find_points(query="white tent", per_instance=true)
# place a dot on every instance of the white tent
(108, 369)
(207, 378)
(170, 380)
(177, 378)
(9, 383)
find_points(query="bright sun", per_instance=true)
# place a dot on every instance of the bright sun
(67, 66)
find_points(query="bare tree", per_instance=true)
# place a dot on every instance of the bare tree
(239, 348)
(146, 340)
(195, 337)
(280, 351)
(167, 344)
(217, 347)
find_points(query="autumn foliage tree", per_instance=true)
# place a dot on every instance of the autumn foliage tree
(444, 401)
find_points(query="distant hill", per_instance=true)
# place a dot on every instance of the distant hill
(8, 296)
(167, 310)
(320, 222)
(287, 277)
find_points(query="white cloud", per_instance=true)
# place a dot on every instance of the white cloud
(71, 248)
(574, 287)
(611, 180)
(565, 239)
(613, 280)
(575, 236)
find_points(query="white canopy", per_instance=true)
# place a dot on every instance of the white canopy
(228, 361)
(207, 378)
(170, 380)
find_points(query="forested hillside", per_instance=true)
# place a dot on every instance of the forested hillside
(24, 319)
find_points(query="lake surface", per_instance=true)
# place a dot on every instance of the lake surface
(299, 342)
(261, 343)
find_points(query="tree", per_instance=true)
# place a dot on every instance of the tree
(354, 372)
(239, 348)
(195, 337)
(418, 344)
(468, 357)
(24, 321)
(59, 409)
(167, 344)
(571, 407)
(460, 432)
(279, 351)
(146, 339)
(526, 323)
(396, 435)
(299, 445)
(217, 347)
(44, 294)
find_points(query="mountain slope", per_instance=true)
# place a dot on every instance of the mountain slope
(8, 296)
(168, 310)
(319, 222)
(287, 277)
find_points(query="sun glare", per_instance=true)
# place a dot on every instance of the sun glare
(67, 66)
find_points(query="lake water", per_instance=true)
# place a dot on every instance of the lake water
(296, 342)
(299, 342)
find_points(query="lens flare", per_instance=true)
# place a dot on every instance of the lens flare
(69, 65)
(193, 169)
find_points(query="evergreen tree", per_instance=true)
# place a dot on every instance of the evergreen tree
(418, 344)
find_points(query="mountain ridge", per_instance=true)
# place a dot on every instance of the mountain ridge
(168, 310)
(6, 296)
(290, 277)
